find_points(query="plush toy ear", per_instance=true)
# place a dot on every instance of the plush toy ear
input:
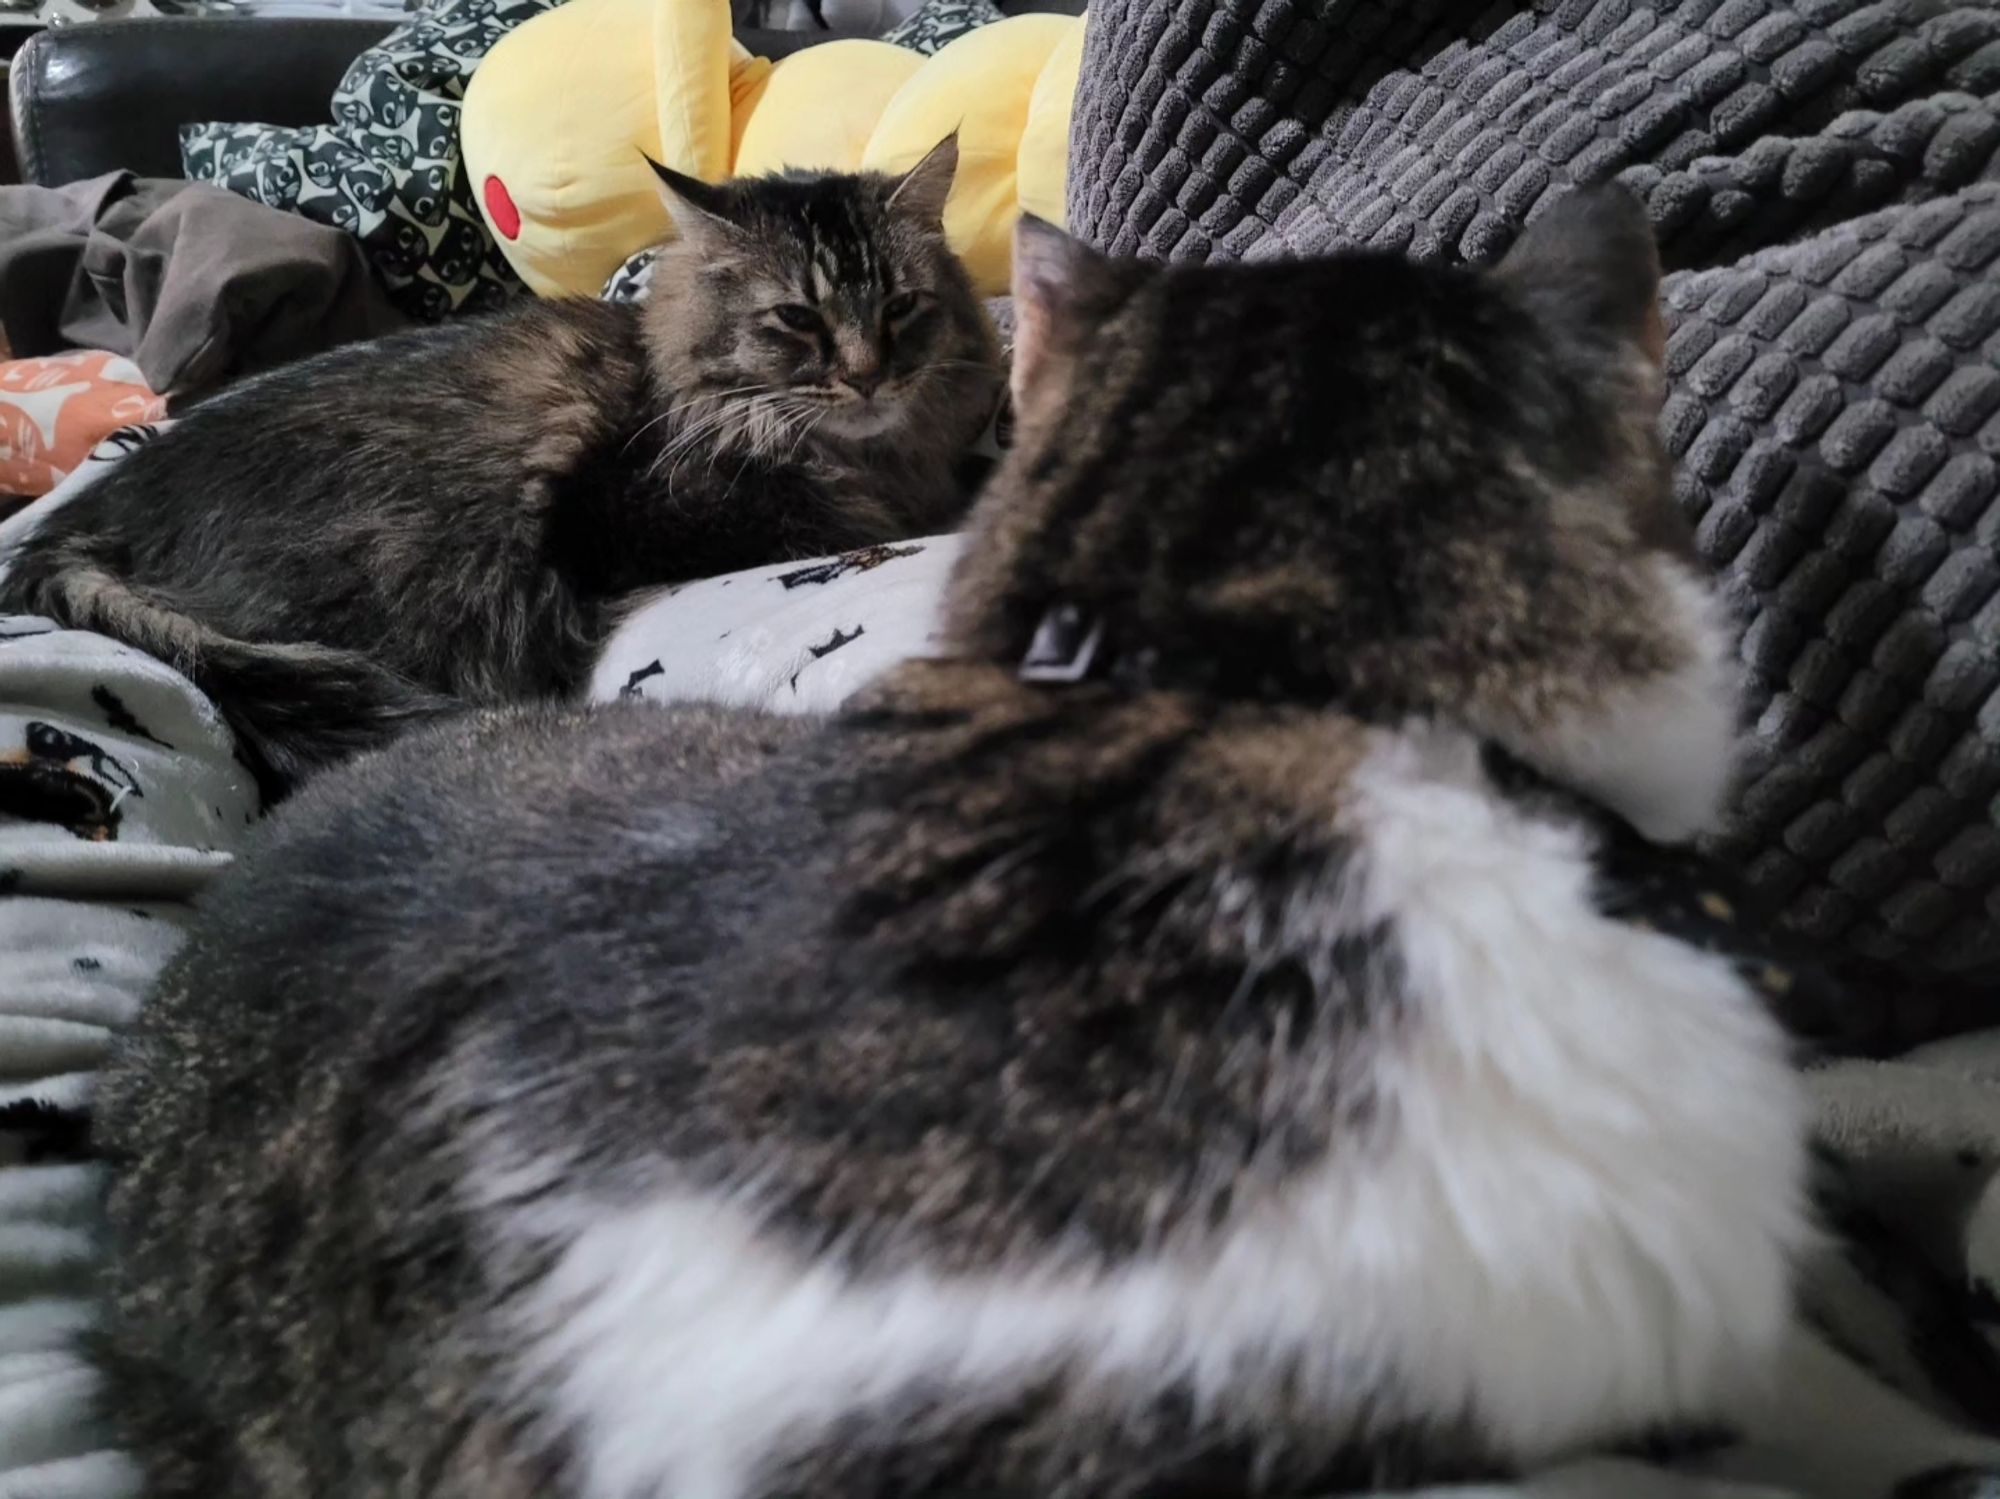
(920, 193)
(1061, 289)
(697, 207)
(1589, 264)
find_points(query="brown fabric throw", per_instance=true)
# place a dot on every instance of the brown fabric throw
(196, 285)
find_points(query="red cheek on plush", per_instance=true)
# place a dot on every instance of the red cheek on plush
(500, 208)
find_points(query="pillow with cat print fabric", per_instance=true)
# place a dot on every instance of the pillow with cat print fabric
(632, 280)
(934, 23)
(388, 168)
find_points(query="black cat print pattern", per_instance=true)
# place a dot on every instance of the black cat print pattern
(388, 170)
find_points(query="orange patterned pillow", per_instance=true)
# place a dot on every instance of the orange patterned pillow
(53, 411)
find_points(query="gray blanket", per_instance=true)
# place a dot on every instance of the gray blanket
(1820, 175)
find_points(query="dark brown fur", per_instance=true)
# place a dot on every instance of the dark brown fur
(456, 516)
(1479, 514)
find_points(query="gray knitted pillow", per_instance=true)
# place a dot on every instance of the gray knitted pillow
(1435, 126)
(1809, 168)
(1836, 416)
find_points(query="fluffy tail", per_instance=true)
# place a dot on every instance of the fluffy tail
(295, 708)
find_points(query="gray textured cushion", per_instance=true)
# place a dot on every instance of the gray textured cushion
(1815, 173)
(1436, 127)
(1833, 416)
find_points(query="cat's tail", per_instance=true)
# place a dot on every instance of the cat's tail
(295, 708)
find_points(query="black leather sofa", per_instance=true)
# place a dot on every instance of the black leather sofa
(98, 97)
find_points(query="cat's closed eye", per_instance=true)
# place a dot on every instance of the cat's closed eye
(902, 306)
(798, 317)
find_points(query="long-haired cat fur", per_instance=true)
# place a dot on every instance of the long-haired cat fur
(456, 515)
(1145, 1049)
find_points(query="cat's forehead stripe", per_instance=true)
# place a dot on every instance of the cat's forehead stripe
(841, 252)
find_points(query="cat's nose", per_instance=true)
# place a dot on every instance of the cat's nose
(863, 382)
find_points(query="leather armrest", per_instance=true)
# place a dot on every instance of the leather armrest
(94, 98)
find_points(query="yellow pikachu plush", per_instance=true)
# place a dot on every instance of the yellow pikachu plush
(561, 114)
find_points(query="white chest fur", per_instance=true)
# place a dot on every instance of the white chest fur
(1576, 1218)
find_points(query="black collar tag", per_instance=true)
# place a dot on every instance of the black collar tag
(1065, 647)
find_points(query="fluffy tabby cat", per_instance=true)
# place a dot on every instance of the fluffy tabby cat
(455, 515)
(1148, 1047)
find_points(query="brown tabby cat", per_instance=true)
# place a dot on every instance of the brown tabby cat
(457, 515)
(1146, 1050)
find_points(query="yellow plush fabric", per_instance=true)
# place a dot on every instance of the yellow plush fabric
(691, 54)
(1043, 177)
(981, 84)
(748, 78)
(540, 116)
(557, 115)
(822, 105)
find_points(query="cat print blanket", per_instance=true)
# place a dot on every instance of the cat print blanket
(120, 794)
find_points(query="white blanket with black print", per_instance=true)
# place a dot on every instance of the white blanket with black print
(120, 794)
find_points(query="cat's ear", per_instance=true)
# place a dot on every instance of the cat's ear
(920, 193)
(697, 207)
(1061, 288)
(1589, 263)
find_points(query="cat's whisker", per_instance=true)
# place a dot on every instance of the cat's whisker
(671, 457)
(755, 423)
(744, 421)
(809, 422)
(711, 422)
(690, 404)
(687, 438)
(788, 419)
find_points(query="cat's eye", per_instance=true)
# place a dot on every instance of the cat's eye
(798, 317)
(901, 306)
